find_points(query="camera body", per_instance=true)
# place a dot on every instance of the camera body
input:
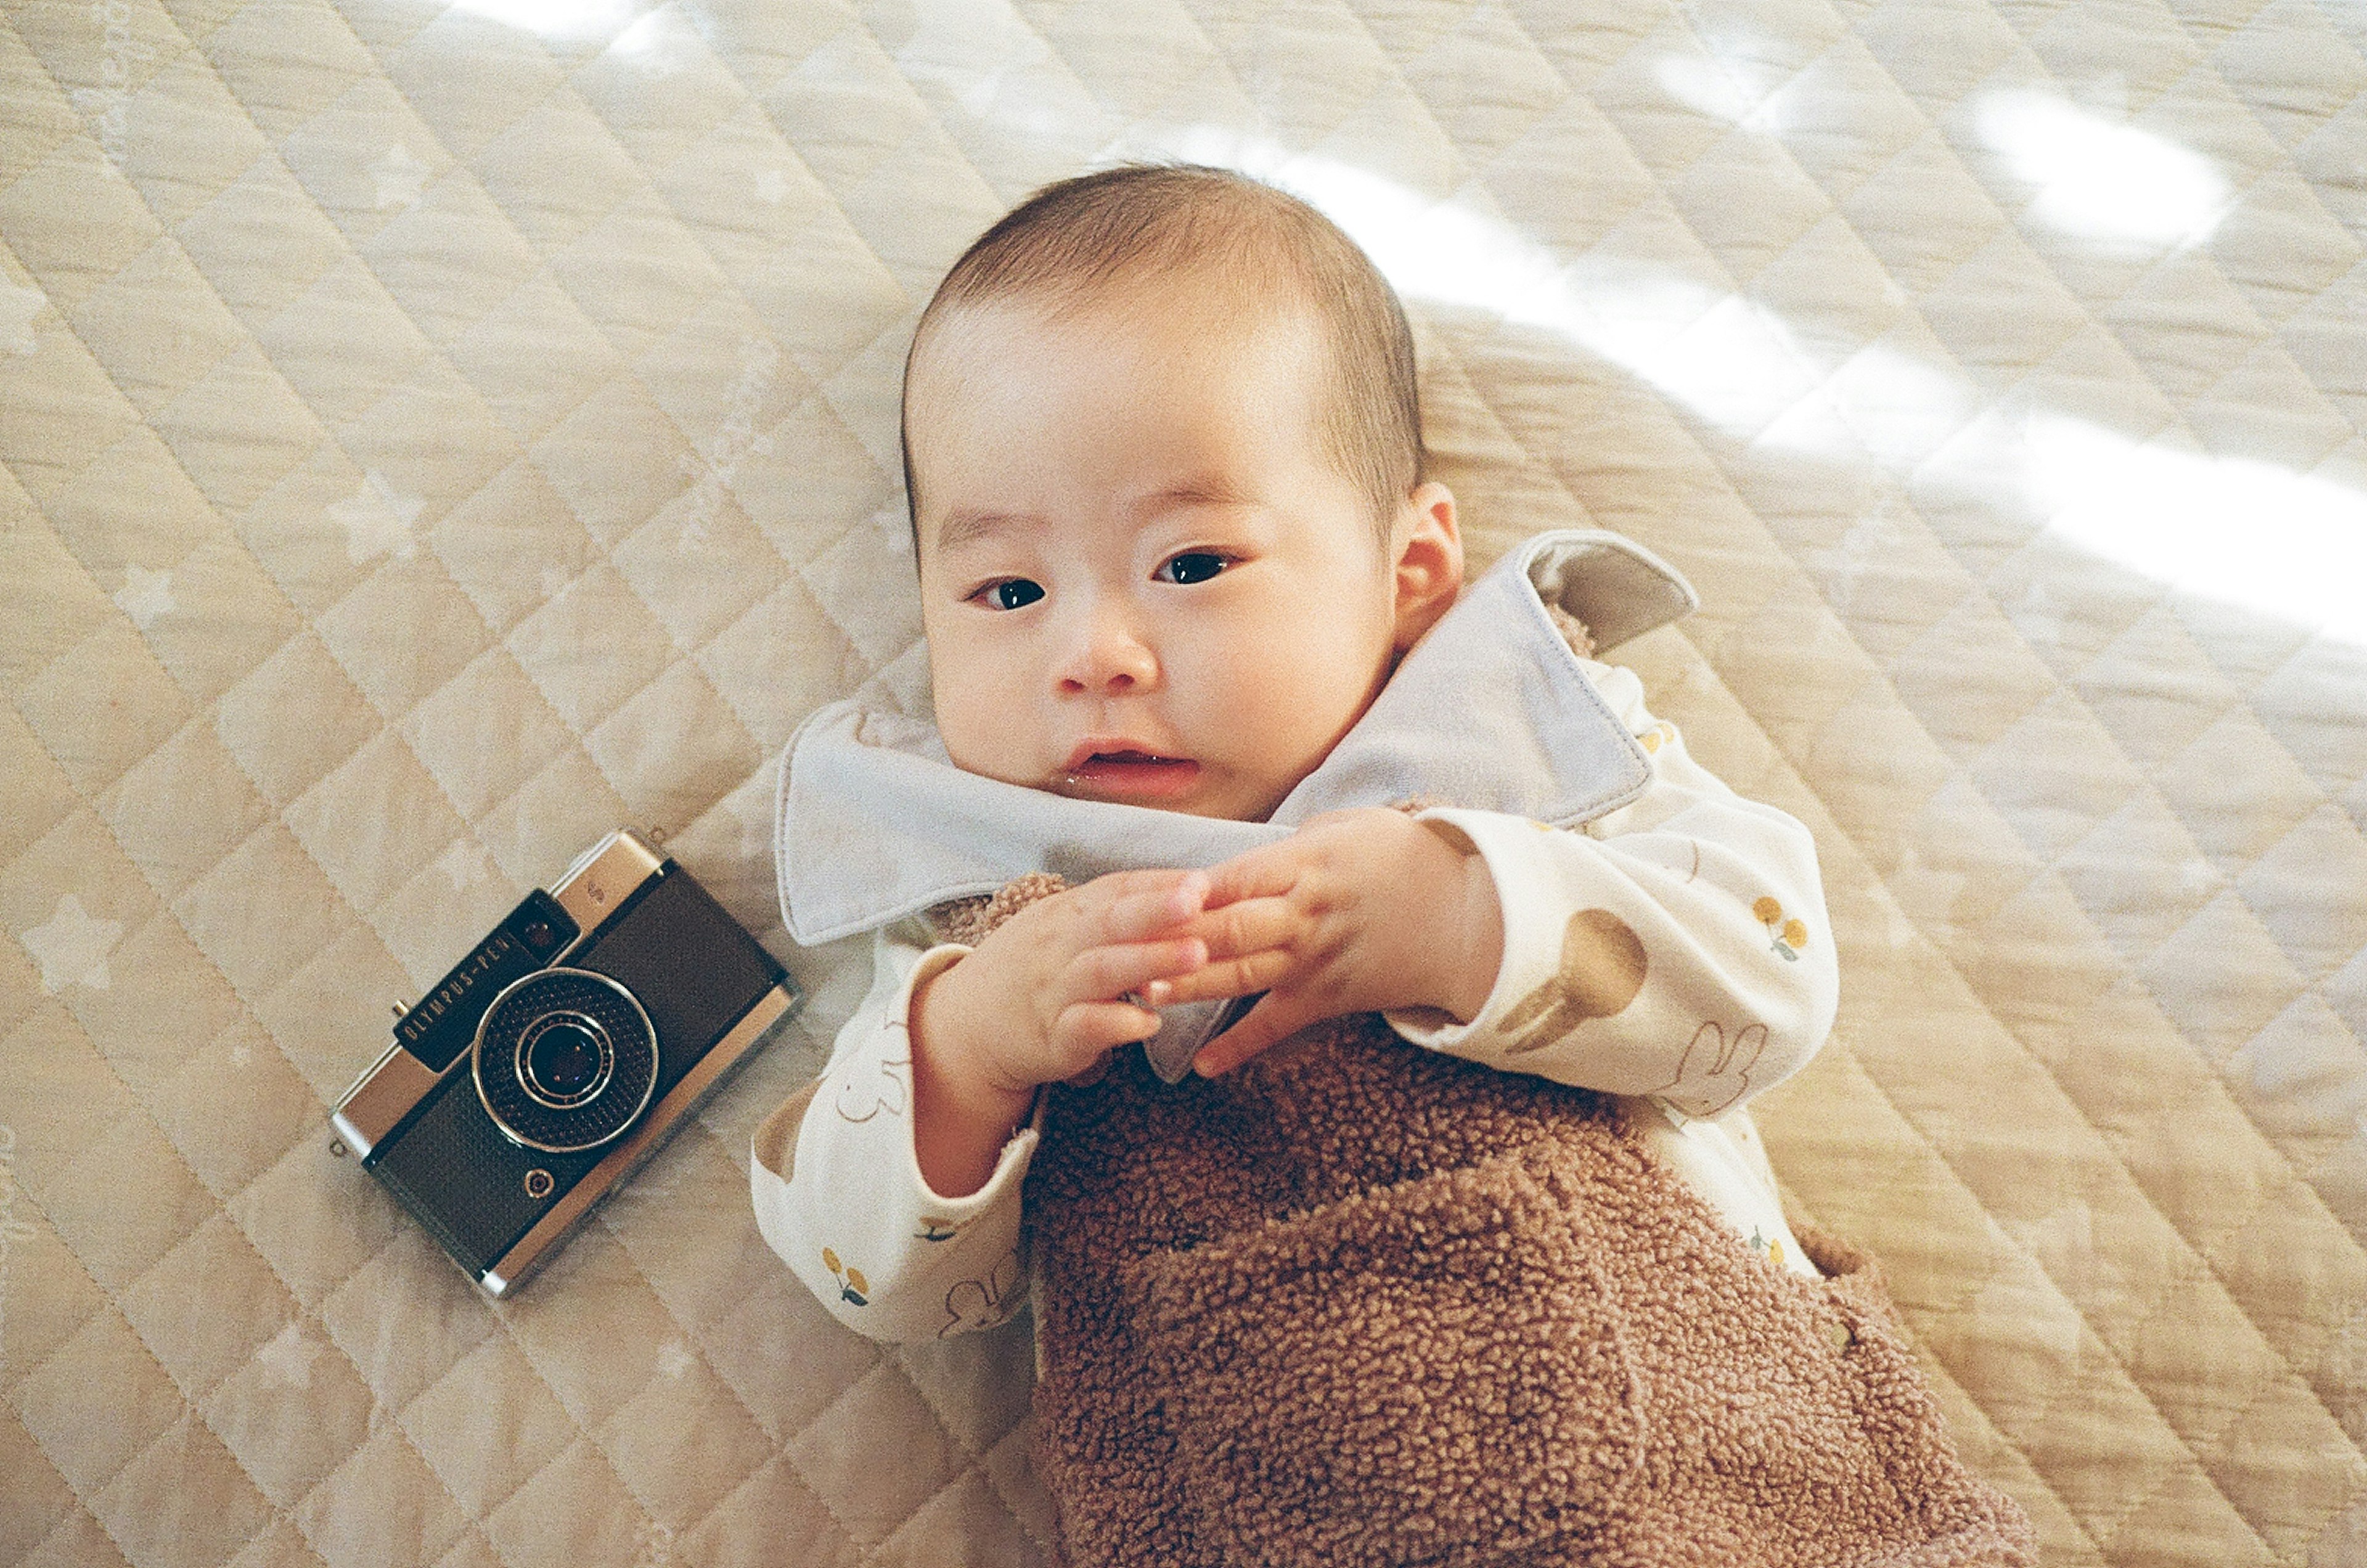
(558, 1055)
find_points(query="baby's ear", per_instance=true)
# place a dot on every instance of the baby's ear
(1429, 562)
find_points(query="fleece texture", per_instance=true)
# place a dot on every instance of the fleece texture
(1358, 1303)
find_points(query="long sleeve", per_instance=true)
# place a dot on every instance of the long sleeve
(1675, 948)
(839, 1192)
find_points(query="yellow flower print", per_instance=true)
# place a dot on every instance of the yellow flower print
(1660, 735)
(852, 1286)
(1790, 935)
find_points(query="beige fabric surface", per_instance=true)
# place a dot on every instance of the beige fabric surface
(433, 434)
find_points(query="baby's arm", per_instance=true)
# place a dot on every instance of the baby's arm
(1675, 947)
(841, 1198)
(891, 1186)
(1678, 946)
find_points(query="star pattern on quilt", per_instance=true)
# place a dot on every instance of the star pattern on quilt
(288, 1357)
(73, 947)
(378, 520)
(463, 864)
(145, 595)
(400, 176)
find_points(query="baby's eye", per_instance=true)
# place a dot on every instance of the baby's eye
(1010, 593)
(1191, 566)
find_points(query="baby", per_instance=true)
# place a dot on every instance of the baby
(1428, 1222)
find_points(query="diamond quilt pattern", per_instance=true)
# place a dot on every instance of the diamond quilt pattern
(432, 433)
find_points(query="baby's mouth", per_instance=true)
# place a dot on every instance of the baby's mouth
(1128, 774)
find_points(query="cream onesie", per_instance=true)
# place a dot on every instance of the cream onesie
(1664, 938)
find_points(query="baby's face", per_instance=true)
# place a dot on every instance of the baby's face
(1142, 578)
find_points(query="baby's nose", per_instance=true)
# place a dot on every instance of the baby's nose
(1109, 658)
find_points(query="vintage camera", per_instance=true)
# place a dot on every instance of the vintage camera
(562, 1053)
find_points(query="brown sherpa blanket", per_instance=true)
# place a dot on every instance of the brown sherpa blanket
(1360, 1303)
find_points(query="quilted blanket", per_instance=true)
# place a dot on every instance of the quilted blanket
(434, 432)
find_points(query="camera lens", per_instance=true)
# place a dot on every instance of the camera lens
(564, 1060)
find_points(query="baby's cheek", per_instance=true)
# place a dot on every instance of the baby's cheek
(986, 728)
(991, 749)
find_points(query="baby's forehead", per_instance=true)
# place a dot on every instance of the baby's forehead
(1211, 296)
(1143, 341)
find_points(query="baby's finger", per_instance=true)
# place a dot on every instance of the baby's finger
(1144, 902)
(1249, 926)
(1084, 1029)
(1101, 973)
(1273, 1021)
(1262, 873)
(1243, 976)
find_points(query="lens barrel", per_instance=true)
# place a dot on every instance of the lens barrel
(564, 1060)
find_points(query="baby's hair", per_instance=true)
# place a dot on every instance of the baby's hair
(1078, 238)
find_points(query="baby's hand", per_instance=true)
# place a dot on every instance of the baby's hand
(1356, 911)
(1042, 999)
